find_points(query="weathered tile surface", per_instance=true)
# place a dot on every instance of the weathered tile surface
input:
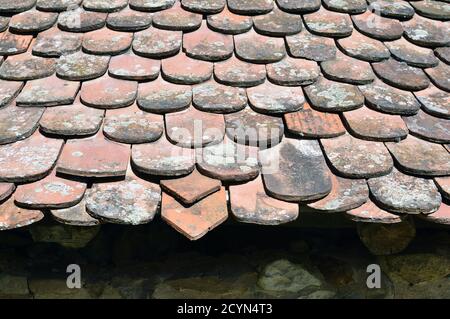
(6, 189)
(177, 18)
(54, 43)
(310, 46)
(107, 42)
(440, 76)
(250, 7)
(434, 101)
(75, 215)
(277, 23)
(377, 27)
(80, 20)
(438, 10)
(346, 6)
(256, 48)
(157, 43)
(229, 23)
(295, 6)
(32, 21)
(443, 183)
(9, 6)
(442, 216)
(8, 91)
(392, 9)
(426, 32)
(293, 72)
(129, 20)
(429, 127)
(11, 43)
(235, 72)
(132, 67)
(182, 69)
(205, 7)
(348, 70)
(329, 23)
(80, 66)
(12, 217)
(18, 123)
(370, 213)
(149, 5)
(412, 54)
(26, 67)
(363, 47)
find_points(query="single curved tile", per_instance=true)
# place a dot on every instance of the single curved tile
(12, 217)
(377, 27)
(54, 43)
(296, 6)
(25, 67)
(129, 20)
(8, 91)
(295, 170)
(254, 129)
(162, 158)
(151, 5)
(181, 188)
(194, 128)
(32, 21)
(440, 76)
(105, 6)
(385, 98)
(80, 66)
(413, 55)
(250, 7)
(330, 96)
(132, 126)
(157, 43)
(12, 6)
(438, 10)
(250, 204)
(370, 213)
(443, 53)
(229, 161)
(234, 72)
(310, 46)
(370, 125)
(18, 123)
(108, 93)
(71, 120)
(426, 32)
(132, 67)
(51, 192)
(57, 5)
(162, 97)
(277, 23)
(218, 98)
(428, 127)
(293, 72)
(311, 123)
(229, 23)
(442, 216)
(355, 158)
(348, 70)
(363, 47)
(182, 69)
(206, 44)
(79, 20)
(28, 160)
(434, 101)
(94, 157)
(204, 7)
(177, 18)
(256, 48)
(419, 157)
(196, 220)
(274, 99)
(107, 42)
(346, 6)
(405, 194)
(346, 194)
(329, 23)
(75, 216)
(11, 44)
(394, 9)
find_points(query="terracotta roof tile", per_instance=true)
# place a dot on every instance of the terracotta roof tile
(443, 183)
(235, 72)
(348, 70)
(309, 46)
(132, 67)
(364, 48)
(32, 21)
(6, 189)
(129, 20)
(105, 6)
(293, 72)
(177, 18)
(377, 27)
(57, 5)
(12, 6)
(370, 213)
(440, 76)
(429, 127)
(329, 23)
(185, 70)
(392, 9)
(346, 6)
(443, 53)
(80, 66)
(150, 5)
(442, 216)
(296, 6)
(11, 43)
(75, 216)
(4, 23)
(250, 204)
(229, 23)
(426, 32)
(205, 7)
(25, 67)
(12, 217)
(8, 91)
(79, 20)
(107, 42)
(434, 101)
(277, 23)
(54, 43)
(412, 54)
(432, 9)
(250, 7)
(18, 123)
(156, 43)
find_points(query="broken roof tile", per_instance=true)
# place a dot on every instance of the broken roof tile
(107, 42)
(135, 68)
(377, 27)
(51, 192)
(157, 43)
(181, 188)
(205, 44)
(437, 10)
(256, 48)
(18, 123)
(218, 98)
(250, 7)
(293, 72)
(151, 5)
(254, 129)
(93, 157)
(8, 91)
(311, 123)
(405, 194)
(129, 20)
(57, 5)
(12, 217)
(295, 170)
(25, 67)
(54, 43)
(443, 184)
(185, 70)
(309, 46)
(228, 161)
(385, 98)
(296, 6)
(105, 6)
(355, 158)
(49, 91)
(277, 23)
(367, 124)
(442, 216)
(330, 96)
(195, 221)
(28, 160)
(202, 6)
(346, 194)
(11, 43)
(75, 215)
(160, 96)
(71, 120)
(395, 9)
(132, 126)
(370, 213)
(419, 157)
(428, 127)
(80, 66)
(108, 93)
(229, 23)
(79, 20)
(177, 18)
(194, 128)
(6, 189)
(250, 204)
(132, 202)
(401, 75)
(364, 48)
(274, 99)
(32, 21)
(346, 6)
(348, 70)
(329, 23)
(440, 76)
(426, 32)
(434, 101)
(162, 158)
(412, 54)
(12, 6)
(235, 72)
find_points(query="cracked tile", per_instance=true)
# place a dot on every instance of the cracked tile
(6, 190)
